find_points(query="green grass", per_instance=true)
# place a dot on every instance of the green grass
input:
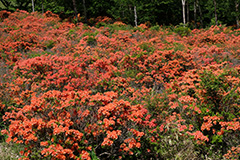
(10, 151)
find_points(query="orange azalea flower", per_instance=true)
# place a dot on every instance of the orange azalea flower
(190, 127)
(126, 149)
(138, 145)
(85, 155)
(130, 153)
(107, 142)
(21, 152)
(44, 143)
(4, 131)
(89, 148)
(173, 105)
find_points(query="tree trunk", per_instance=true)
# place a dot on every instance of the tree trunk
(188, 20)
(85, 11)
(195, 14)
(236, 9)
(135, 15)
(215, 9)
(33, 5)
(183, 7)
(123, 13)
(200, 12)
(42, 8)
(75, 9)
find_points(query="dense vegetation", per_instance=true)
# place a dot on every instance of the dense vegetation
(198, 13)
(112, 91)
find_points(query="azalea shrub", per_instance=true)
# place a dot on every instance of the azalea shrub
(207, 100)
(73, 124)
(112, 91)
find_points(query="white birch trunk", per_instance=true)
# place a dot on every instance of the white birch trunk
(33, 5)
(135, 15)
(184, 16)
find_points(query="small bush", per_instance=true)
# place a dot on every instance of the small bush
(182, 30)
(91, 41)
(155, 28)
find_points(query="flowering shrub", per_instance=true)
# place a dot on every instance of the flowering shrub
(71, 124)
(208, 100)
(71, 91)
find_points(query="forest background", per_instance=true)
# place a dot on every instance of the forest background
(195, 13)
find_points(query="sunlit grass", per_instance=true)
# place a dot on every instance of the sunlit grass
(9, 151)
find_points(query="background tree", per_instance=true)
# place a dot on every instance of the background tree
(12, 5)
(135, 15)
(195, 13)
(33, 5)
(84, 10)
(200, 12)
(183, 11)
(165, 12)
(75, 8)
(237, 12)
(42, 7)
(215, 11)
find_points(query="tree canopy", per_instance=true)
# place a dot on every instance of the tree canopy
(196, 13)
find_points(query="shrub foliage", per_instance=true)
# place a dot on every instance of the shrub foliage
(71, 91)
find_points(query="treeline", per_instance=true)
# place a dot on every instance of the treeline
(195, 13)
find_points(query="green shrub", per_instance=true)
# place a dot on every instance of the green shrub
(182, 30)
(210, 104)
(155, 28)
(100, 24)
(50, 44)
(91, 41)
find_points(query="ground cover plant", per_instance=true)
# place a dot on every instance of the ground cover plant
(72, 91)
